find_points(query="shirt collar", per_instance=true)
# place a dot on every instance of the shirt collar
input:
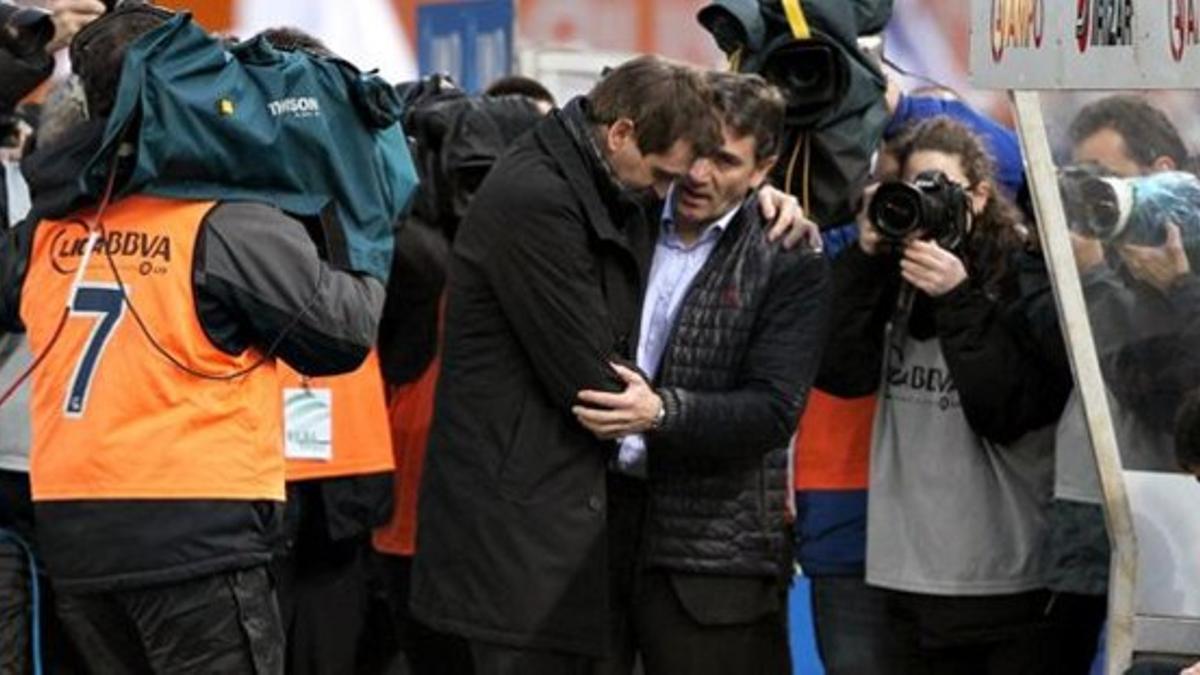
(718, 226)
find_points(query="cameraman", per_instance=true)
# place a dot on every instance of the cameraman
(157, 476)
(956, 512)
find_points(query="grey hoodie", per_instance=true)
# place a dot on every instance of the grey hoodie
(14, 415)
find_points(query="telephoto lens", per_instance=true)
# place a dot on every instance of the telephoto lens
(1130, 210)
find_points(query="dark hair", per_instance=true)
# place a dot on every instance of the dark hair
(519, 85)
(98, 51)
(995, 233)
(1187, 432)
(289, 39)
(667, 102)
(750, 106)
(1146, 130)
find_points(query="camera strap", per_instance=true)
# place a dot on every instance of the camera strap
(904, 308)
(797, 20)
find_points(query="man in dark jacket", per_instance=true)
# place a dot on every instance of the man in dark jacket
(731, 334)
(160, 556)
(544, 292)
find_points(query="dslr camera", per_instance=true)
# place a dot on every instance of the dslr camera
(932, 207)
(24, 30)
(1130, 210)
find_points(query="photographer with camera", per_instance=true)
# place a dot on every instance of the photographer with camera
(930, 299)
(1136, 279)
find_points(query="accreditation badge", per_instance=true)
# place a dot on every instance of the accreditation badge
(308, 424)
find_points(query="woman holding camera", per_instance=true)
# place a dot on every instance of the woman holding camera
(928, 314)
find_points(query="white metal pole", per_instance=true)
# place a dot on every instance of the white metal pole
(1072, 310)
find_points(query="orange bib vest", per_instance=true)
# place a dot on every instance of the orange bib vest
(361, 441)
(112, 417)
(411, 411)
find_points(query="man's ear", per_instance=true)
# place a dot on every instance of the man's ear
(759, 177)
(619, 134)
(1163, 163)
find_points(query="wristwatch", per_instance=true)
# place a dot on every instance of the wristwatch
(662, 415)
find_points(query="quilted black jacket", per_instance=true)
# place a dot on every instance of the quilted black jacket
(734, 378)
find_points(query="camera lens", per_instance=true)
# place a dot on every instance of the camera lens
(895, 210)
(1103, 205)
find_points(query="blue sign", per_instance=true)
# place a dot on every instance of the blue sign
(471, 40)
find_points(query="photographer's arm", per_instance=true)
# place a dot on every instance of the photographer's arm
(1005, 386)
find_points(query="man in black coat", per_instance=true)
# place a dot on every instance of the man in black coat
(545, 286)
(731, 334)
(545, 292)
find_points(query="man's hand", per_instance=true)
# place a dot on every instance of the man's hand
(787, 219)
(1089, 253)
(70, 16)
(610, 416)
(1194, 669)
(932, 268)
(1159, 266)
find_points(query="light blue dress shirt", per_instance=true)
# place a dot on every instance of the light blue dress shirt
(672, 272)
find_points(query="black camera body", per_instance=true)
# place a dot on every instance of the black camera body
(932, 207)
(24, 30)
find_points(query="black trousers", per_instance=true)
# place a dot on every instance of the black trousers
(691, 624)
(675, 636)
(16, 650)
(226, 623)
(983, 635)
(324, 600)
(851, 623)
(1076, 622)
(492, 659)
(16, 592)
(425, 650)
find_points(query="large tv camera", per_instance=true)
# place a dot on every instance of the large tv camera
(834, 90)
